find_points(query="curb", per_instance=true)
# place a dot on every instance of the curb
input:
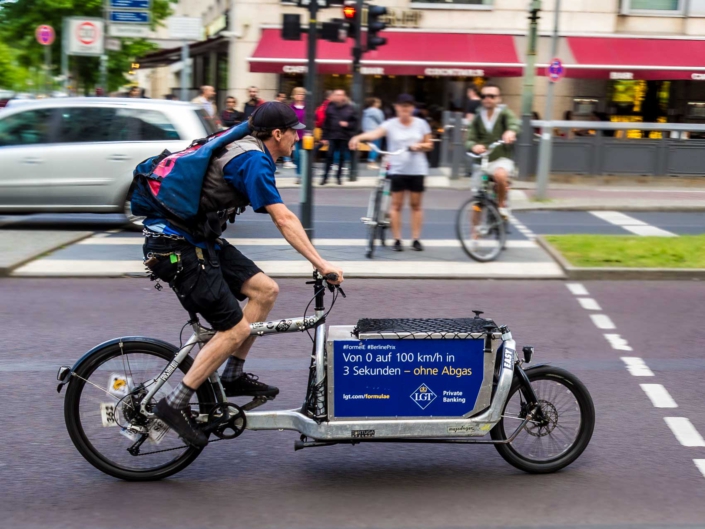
(6, 271)
(631, 274)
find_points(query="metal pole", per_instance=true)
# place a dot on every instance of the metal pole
(232, 48)
(104, 73)
(185, 73)
(458, 146)
(64, 55)
(357, 88)
(47, 69)
(307, 175)
(526, 139)
(445, 140)
(546, 147)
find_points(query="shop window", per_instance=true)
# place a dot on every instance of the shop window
(453, 3)
(660, 7)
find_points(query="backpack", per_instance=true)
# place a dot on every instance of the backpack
(169, 185)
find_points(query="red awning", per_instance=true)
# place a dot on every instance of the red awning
(635, 58)
(406, 53)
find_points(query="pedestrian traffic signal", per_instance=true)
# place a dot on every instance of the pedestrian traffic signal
(374, 26)
(351, 17)
(334, 31)
(291, 29)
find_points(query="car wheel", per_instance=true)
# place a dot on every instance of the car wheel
(134, 222)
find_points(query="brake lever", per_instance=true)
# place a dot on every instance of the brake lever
(342, 293)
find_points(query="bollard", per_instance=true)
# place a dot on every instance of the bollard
(458, 146)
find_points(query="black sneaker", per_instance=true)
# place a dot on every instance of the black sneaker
(249, 385)
(182, 423)
(398, 246)
(417, 246)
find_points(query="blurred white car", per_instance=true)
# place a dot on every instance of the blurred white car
(78, 154)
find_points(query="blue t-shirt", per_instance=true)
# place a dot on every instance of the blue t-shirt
(252, 174)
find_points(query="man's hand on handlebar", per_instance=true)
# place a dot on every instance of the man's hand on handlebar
(509, 136)
(479, 149)
(329, 268)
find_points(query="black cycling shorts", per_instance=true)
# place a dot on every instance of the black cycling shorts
(213, 292)
(405, 182)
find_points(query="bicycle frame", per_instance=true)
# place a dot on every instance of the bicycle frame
(337, 430)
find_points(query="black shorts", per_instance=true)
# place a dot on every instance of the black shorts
(213, 292)
(405, 182)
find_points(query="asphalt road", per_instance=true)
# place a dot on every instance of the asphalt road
(337, 215)
(635, 473)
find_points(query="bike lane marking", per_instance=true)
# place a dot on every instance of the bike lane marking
(637, 367)
(602, 321)
(659, 396)
(700, 463)
(681, 427)
(589, 304)
(521, 227)
(684, 431)
(631, 224)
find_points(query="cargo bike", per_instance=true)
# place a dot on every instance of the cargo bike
(459, 381)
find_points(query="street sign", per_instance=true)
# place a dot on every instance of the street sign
(130, 4)
(129, 17)
(556, 70)
(113, 44)
(85, 36)
(45, 35)
(129, 30)
(185, 28)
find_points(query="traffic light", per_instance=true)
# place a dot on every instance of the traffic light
(291, 29)
(351, 17)
(374, 26)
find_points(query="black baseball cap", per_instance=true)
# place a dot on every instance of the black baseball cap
(274, 115)
(406, 99)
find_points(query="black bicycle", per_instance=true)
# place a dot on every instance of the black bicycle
(480, 227)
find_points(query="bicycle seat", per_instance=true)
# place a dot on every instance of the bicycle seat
(429, 329)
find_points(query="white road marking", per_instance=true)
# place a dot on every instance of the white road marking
(589, 304)
(602, 321)
(684, 431)
(637, 367)
(521, 227)
(577, 289)
(437, 243)
(618, 343)
(700, 463)
(631, 224)
(659, 396)
(302, 268)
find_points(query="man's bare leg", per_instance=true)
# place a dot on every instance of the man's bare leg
(501, 179)
(215, 352)
(261, 291)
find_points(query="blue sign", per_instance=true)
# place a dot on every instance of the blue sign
(556, 71)
(406, 378)
(130, 4)
(130, 17)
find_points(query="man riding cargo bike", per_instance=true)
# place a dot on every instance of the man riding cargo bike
(209, 275)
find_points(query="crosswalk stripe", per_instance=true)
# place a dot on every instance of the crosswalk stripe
(631, 224)
(431, 243)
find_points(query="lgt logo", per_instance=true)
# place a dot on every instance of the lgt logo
(423, 396)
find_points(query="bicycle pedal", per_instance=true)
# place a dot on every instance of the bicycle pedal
(256, 403)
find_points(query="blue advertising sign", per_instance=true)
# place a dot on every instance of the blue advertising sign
(130, 4)
(406, 378)
(130, 17)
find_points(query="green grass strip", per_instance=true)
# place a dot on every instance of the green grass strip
(624, 251)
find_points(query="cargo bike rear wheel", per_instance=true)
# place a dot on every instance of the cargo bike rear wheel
(558, 433)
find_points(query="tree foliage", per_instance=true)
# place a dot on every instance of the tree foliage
(20, 18)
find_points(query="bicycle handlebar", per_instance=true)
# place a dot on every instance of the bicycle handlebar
(489, 150)
(380, 151)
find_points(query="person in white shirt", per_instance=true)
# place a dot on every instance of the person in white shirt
(205, 100)
(406, 170)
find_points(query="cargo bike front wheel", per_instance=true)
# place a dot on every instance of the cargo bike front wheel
(557, 433)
